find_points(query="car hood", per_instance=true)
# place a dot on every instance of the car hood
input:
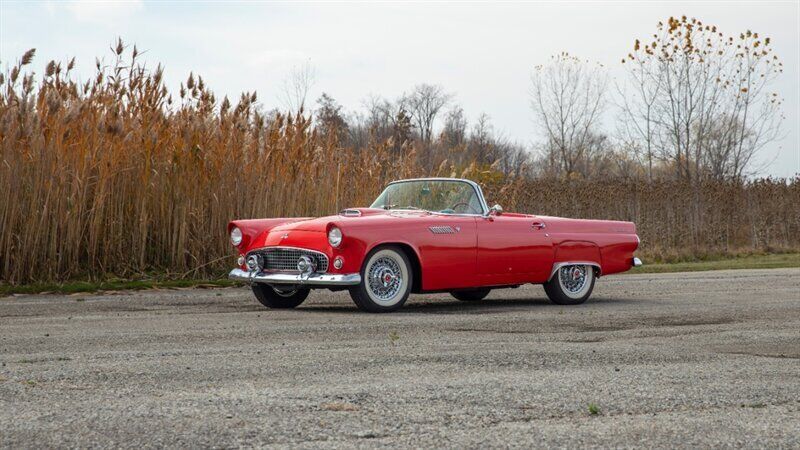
(347, 216)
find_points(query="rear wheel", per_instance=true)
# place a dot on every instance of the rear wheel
(386, 280)
(571, 285)
(472, 295)
(279, 297)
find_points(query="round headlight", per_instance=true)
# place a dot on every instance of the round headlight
(334, 237)
(236, 236)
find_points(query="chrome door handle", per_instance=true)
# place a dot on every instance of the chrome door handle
(538, 226)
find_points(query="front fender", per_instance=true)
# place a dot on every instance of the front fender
(252, 228)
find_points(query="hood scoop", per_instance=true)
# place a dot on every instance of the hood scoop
(361, 212)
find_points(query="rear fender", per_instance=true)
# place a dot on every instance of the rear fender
(570, 253)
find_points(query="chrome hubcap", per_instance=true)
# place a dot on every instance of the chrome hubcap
(572, 278)
(385, 278)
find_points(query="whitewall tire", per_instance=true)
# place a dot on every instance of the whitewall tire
(386, 280)
(571, 285)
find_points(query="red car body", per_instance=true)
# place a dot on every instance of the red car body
(448, 252)
(495, 251)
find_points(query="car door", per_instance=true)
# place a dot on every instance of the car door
(512, 249)
(446, 244)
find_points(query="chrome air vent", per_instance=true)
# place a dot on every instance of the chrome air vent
(442, 229)
(284, 259)
(350, 213)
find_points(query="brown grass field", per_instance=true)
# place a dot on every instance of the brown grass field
(115, 177)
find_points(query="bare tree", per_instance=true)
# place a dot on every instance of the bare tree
(567, 98)
(329, 118)
(636, 126)
(389, 121)
(424, 104)
(703, 102)
(454, 132)
(481, 140)
(296, 86)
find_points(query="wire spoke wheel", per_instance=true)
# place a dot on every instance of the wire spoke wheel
(571, 284)
(384, 278)
(572, 278)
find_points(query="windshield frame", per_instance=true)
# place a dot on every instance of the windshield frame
(473, 184)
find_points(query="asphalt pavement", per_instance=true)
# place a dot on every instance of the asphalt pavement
(657, 360)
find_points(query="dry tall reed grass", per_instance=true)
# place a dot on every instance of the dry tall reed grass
(115, 178)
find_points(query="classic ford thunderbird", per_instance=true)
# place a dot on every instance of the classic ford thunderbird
(427, 235)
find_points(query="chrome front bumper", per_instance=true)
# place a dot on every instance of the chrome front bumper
(314, 279)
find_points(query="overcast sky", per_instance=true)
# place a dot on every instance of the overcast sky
(482, 53)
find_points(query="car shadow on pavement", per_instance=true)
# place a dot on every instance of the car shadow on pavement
(480, 307)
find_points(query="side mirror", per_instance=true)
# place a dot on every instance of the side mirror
(496, 210)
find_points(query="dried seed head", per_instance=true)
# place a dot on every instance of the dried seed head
(50, 69)
(27, 57)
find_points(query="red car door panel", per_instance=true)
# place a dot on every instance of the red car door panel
(512, 249)
(447, 247)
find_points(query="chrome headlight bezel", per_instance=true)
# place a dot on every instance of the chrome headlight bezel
(236, 236)
(335, 237)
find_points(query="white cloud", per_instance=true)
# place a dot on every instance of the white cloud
(285, 58)
(101, 12)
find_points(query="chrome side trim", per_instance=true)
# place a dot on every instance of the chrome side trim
(637, 262)
(444, 229)
(314, 279)
(559, 265)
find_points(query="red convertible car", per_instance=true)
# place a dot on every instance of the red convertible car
(427, 235)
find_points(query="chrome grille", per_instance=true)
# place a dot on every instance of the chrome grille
(284, 259)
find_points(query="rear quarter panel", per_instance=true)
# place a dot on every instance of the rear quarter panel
(608, 243)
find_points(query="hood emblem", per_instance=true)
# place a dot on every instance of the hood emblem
(285, 235)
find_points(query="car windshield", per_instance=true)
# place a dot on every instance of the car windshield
(444, 196)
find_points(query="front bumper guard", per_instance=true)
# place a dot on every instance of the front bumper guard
(314, 279)
(636, 262)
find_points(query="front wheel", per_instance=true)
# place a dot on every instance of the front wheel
(386, 280)
(279, 297)
(571, 285)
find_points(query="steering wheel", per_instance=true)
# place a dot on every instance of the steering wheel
(464, 204)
